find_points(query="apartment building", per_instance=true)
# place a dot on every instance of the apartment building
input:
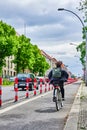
(9, 68)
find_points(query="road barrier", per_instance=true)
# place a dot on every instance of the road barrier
(45, 90)
(41, 86)
(35, 86)
(16, 89)
(18, 95)
(0, 91)
(27, 87)
(48, 87)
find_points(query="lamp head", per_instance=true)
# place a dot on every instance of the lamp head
(60, 9)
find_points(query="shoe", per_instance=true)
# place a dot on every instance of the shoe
(54, 99)
(63, 99)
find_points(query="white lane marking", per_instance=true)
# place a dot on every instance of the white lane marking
(22, 103)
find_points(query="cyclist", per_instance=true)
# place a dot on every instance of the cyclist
(60, 80)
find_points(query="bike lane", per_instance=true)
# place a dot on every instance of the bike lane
(39, 113)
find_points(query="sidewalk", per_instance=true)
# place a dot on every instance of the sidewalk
(77, 119)
(82, 118)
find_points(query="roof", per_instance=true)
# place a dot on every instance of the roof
(46, 55)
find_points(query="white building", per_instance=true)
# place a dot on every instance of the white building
(9, 69)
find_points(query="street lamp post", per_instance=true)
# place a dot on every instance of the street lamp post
(62, 9)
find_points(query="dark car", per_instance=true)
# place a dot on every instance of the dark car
(22, 80)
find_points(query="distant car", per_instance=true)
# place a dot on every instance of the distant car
(12, 78)
(38, 79)
(22, 80)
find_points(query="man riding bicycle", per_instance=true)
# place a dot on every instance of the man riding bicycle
(59, 78)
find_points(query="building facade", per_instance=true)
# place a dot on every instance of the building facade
(9, 69)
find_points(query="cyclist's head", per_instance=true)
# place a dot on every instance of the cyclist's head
(59, 63)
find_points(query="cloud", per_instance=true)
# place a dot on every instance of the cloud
(50, 29)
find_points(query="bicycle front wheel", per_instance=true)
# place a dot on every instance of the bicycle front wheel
(58, 102)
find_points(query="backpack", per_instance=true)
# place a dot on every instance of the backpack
(56, 73)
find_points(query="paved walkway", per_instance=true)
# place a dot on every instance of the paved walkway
(77, 119)
(82, 118)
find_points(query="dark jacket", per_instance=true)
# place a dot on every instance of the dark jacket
(63, 78)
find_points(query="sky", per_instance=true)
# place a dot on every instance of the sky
(51, 30)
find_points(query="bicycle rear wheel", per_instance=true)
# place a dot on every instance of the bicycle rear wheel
(58, 101)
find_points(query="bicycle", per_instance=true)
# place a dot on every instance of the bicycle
(58, 97)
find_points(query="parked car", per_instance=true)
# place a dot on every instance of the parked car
(22, 80)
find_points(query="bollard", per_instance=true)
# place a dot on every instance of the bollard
(16, 89)
(40, 86)
(45, 87)
(48, 87)
(27, 88)
(35, 82)
(0, 92)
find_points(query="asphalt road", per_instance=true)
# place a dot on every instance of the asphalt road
(8, 93)
(38, 112)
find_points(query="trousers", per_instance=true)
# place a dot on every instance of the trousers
(61, 84)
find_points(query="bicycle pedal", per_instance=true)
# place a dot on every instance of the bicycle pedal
(61, 104)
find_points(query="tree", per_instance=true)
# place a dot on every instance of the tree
(82, 50)
(82, 46)
(26, 55)
(83, 8)
(7, 40)
(23, 54)
(40, 64)
(43, 66)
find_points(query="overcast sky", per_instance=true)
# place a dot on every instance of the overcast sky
(51, 30)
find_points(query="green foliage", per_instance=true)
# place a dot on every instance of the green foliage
(82, 46)
(82, 50)
(23, 54)
(7, 40)
(6, 82)
(73, 76)
(83, 8)
(26, 55)
(39, 65)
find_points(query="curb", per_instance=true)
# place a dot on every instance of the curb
(72, 120)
